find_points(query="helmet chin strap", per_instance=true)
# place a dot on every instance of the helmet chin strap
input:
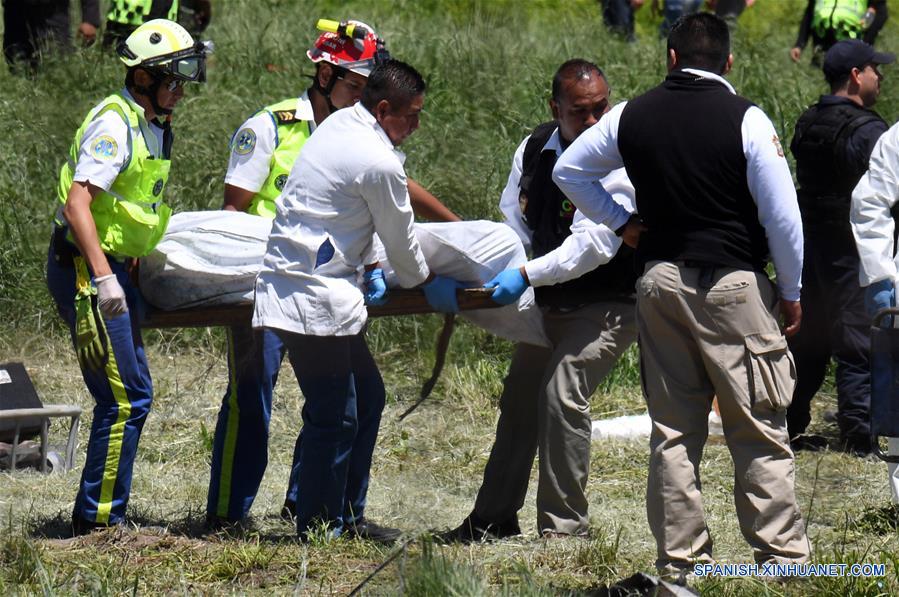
(152, 92)
(326, 91)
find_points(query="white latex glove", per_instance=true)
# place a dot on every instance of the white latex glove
(110, 296)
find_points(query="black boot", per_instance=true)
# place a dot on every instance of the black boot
(475, 529)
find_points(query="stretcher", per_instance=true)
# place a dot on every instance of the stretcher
(399, 302)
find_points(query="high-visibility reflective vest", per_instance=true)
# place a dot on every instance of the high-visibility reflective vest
(130, 217)
(843, 17)
(135, 12)
(291, 134)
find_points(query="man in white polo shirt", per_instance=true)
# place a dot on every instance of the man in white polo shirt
(347, 184)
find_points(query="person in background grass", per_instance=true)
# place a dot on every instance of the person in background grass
(618, 16)
(111, 213)
(829, 21)
(32, 28)
(671, 11)
(126, 15)
(729, 10)
(584, 283)
(263, 150)
(715, 197)
(318, 274)
(832, 143)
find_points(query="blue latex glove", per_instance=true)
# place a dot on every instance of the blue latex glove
(441, 294)
(375, 287)
(880, 295)
(509, 285)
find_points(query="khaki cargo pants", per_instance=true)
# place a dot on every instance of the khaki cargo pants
(706, 332)
(545, 410)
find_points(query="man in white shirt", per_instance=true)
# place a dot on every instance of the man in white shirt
(873, 227)
(347, 184)
(263, 151)
(715, 197)
(586, 294)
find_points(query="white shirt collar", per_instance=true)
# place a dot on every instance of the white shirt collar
(304, 110)
(554, 142)
(704, 74)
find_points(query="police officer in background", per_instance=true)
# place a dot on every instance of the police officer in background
(111, 212)
(830, 21)
(832, 144)
(263, 151)
(584, 285)
(125, 16)
(715, 197)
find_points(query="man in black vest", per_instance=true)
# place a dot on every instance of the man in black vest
(715, 198)
(832, 145)
(586, 293)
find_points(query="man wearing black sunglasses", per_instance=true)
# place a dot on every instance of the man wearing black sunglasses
(110, 213)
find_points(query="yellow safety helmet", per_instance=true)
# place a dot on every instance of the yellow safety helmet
(166, 47)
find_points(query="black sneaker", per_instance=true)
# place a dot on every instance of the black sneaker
(366, 529)
(475, 529)
(81, 526)
(810, 442)
(856, 445)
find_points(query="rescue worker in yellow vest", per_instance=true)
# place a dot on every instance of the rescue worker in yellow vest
(263, 151)
(125, 16)
(829, 21)
(110, 213)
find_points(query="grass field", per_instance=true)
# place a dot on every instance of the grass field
(488, 64)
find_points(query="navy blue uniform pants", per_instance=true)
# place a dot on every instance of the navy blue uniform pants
(122, 391)
(344, 396)
(240, 445)
(835, 325)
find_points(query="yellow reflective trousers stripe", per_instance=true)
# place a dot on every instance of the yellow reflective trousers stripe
(231, 428)
(116, 439)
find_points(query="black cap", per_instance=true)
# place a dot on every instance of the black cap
(852, 53)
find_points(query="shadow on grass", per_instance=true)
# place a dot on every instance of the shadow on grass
(190, 526)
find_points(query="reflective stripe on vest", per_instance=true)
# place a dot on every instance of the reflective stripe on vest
(130, 217)
(843, 17)
(134, 12)
(290, 137)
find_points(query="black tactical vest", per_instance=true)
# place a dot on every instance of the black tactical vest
(825, 174)
(549, 215)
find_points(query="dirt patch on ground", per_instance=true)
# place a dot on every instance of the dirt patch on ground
(131, 539)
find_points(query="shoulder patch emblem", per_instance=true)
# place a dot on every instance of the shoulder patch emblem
(280, 181)
(780, 149)
(286, 117)
(244, 142)
(104, 147)
(157, 188)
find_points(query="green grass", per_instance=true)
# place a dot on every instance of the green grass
(488, 65)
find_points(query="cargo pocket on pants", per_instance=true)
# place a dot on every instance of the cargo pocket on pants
(772, 373)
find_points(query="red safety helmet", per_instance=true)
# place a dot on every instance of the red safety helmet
(356, 55)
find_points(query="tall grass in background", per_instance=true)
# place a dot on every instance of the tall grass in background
(488, 64)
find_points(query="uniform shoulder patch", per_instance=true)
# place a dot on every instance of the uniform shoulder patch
(244, 142)
(286, 116)
(104, 147)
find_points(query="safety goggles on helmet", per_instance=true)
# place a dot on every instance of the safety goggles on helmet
(186, 65)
